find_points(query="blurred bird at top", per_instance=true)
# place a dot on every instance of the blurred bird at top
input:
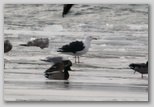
(38, 42)
(66, 9)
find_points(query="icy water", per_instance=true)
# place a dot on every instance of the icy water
(102, 75)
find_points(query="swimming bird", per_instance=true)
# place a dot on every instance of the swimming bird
(77, 48)
(66, 9)
(59, 70)
(142, 68)
(58, 66)
(59, 75)
(39, 42)
(7, 46)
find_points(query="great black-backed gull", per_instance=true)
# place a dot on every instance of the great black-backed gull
(39, 42)
(142, 68)
(66, 9)
(7, 46)
(77, 48)
(59, 70)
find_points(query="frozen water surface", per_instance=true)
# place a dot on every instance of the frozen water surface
(102, 75)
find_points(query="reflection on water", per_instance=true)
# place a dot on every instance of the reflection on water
(61, 85)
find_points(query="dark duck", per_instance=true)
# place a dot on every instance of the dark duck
(59, 70)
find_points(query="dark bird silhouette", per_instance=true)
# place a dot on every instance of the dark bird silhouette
(7, 46)
(38, 42)
(66, 9)
(142, 68)
(59, 70)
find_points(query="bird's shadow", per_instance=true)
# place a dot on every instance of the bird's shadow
(57, 84)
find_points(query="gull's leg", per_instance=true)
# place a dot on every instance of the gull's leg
(78, 59)
(142, 76)
(75, 58)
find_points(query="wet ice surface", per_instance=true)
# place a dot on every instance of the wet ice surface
(103, 75)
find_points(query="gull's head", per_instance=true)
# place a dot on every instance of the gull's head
(89, 38)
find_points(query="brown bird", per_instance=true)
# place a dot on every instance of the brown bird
(59, 70)
(7, 46)
(58, 75)
(38, 42)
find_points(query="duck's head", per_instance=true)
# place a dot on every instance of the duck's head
(67, 63)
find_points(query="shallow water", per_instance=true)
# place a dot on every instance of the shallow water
(102, 75)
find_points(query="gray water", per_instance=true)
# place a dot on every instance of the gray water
(102, 75)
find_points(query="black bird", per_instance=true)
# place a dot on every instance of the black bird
(66, 9)
(59, 70)
(142, 68)
(7, 46)
(39, 42)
